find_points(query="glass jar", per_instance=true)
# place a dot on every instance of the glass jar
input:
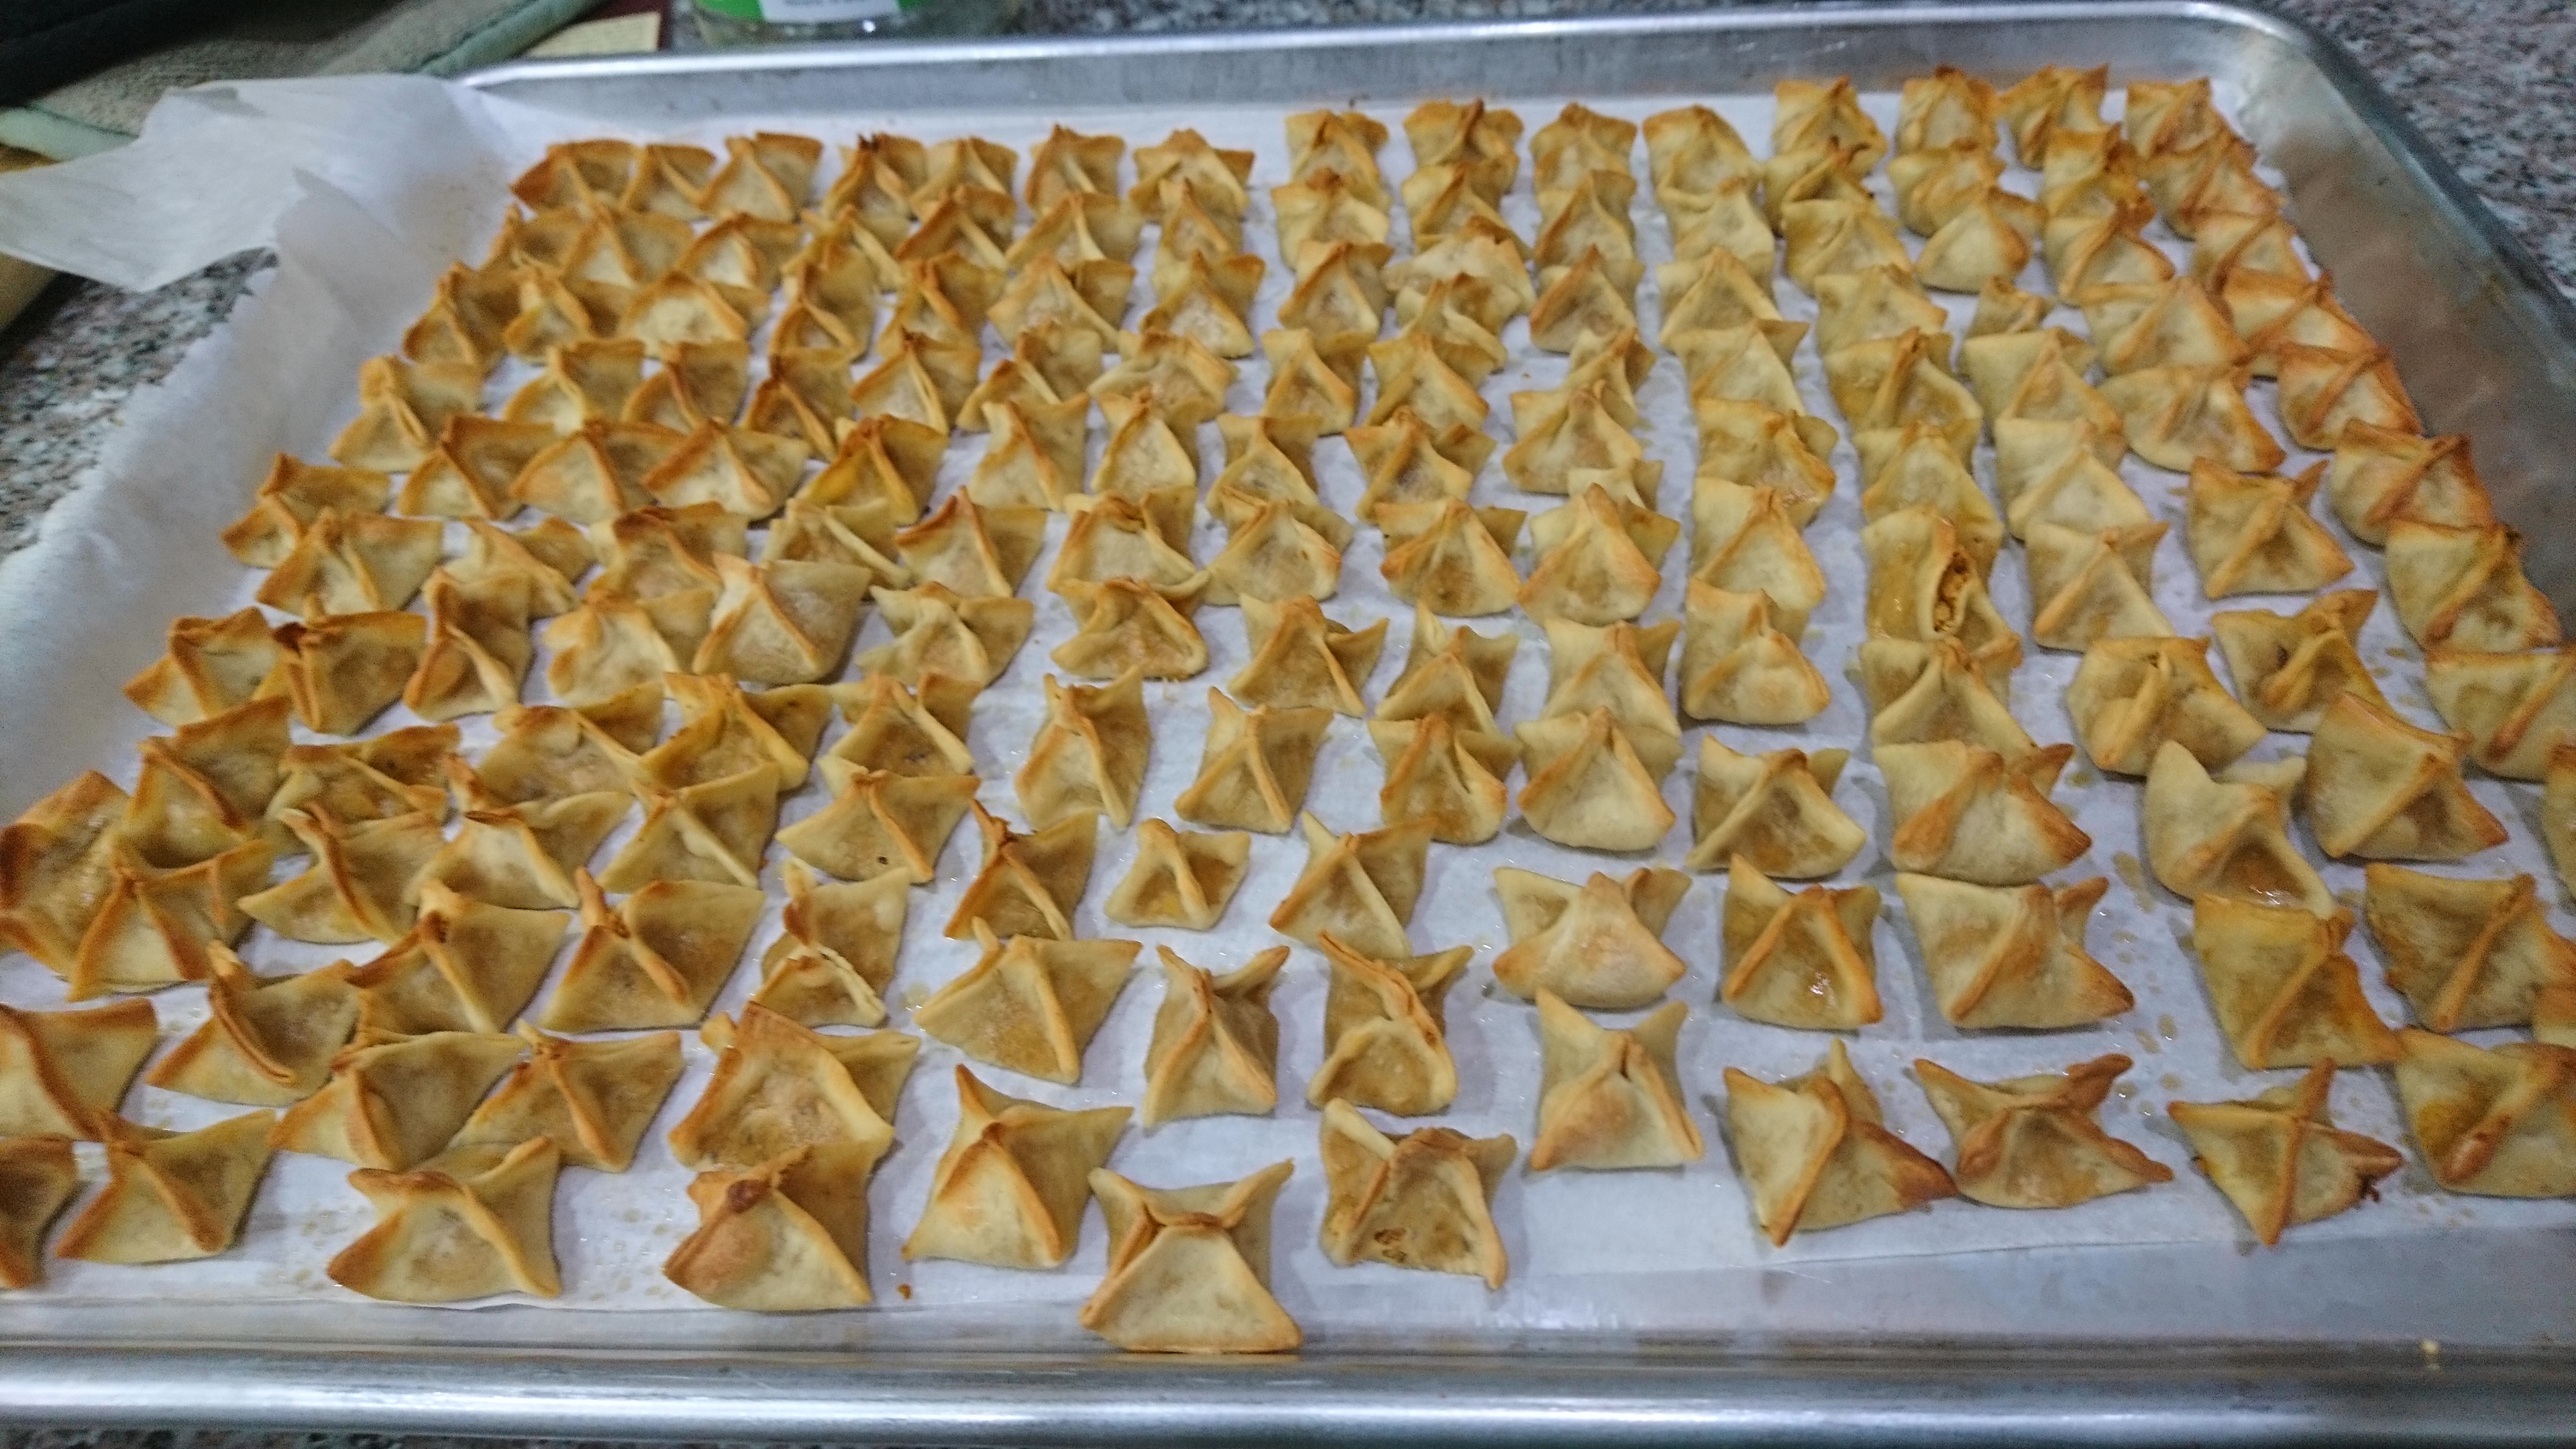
(773, 22)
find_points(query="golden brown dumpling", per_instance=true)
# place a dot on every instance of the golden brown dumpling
(1385, 1038)
(1777, 810)
(57, 867)
(2382, 475)
(789, 1235)
(1919, 692)
(2129, 696)
(1189, 1267)
(1738, 668)
(2011, 957)
(2054, 472)
(1215, 1047)
(2087, 587)
(1814, 1152)
(209, 666)
(2379, 787)
(62, 1073)
(1610, 1099)
(1805, 960)
(1598, 944)
(2226, 837)
(1443, 776)
(2288, 668)
(2491, 1121)
(1011, 1188)
(1255, 766)
(38, 1179)
(657, 959)
(1966, 813)
(2516, 709)
(1090, 754)
(881, 822)
(593, 1098)
(1924, 586)
(779, 1086)
(1588, 785)
(2282, 989)
(266, 1041)
(2466, 953)
(2176, 416)
(1300, 659)
(1179, 878)
(1030, 884)
(1128, 625)
(1029, 1004)
(2279, 1158)
(155, 925)
(393, 1103)
(2032, 1142)
(2254, 535)
(2464, 588)
(171, 1196)
(364, 883)
(1425, 1201)
(836, 952)
(1359, 887)
(472, 1225)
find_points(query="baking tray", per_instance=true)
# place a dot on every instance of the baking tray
(2431, 1339)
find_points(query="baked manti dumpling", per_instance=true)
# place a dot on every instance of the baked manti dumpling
(1029, 1004)
(937, 631)
(2497, 1122)
(2516, 709)
(266, 1042)
(2251, 534)
(1090, 754)
(2465, 953)
(1130, 625)
(1254, 768)
(1444, 776)
(1423, 1201)
(658, 958)
(2011, 956)
(836, 950)
(1738, 667)
(881, 822)
(787, 1236)
(477, 1222)
(363, 883)
(1923, 586)
(1215, 1047)
(1776, 810)
(1966, 813)
(594, 1098)
(2031, 1142)
(1181, 878)
(58, 865)
(2381, 476)
(2288, 668)
(2464, 588)
(2380, 788)
(2279, 1158)
(1029, 885)
(1610, 1099)
(2281, 987)
(1598, 944)
(392, 1104)
(2226, 836)
(2130, 696)
(2176, 416)
(779, 1086)
(171, 1196)
(38, 1179)
(1815, 1153)
(1011, 1187)
(1588, 787)
(1189, 1267)
(62, 1073)
(1359, 887)
(2087, 587)
(1805, 960)
(1385, 1039)
(1302, 660)
(1450, 558)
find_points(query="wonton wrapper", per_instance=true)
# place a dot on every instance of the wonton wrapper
(657, 959)
(1805, 960)
(2087, 587)
(779, 1086)
(2011, 957)
(267, 1041)
(897, 731)
(472, 1227)
(1029, 1004)
(57, 868)
(880, 822)
(1815, 1153)
(2282, 989)
(1598, 944)
(62, 1073)
(1893, 381)
(2289, 668)
(1271, 553)
(1128, 625)
(1029, 885)
(2279, 1158)
(38, 1179)
(1921, 692)
(786, 1236)
(1776, 810)
(1215, 1046)
(1440, 775)
(208, 667)
(1424, 1201)
(715, 830)
(171, 1196)
(2051, 471)
(1011, 1188)
(593, 1098)
(1924, 587)
(1597, 561)
(523, 857)
(2491, 1121)
(402, 406)
(1588, 787)
(295, 493)
(2516, 709)
(2031, 1142)
(2464, 588)
(2130, 696)
(1189, 1268)
(1610, 1099)
(155, 924)
(2379, 787)
(2466, 954)
(1965, 813)
(392, 1104)
(1254, 768)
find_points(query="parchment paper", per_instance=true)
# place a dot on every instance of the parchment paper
(396, 177)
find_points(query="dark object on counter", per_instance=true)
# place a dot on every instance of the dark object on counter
(44, 43)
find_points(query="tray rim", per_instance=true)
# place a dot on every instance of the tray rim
(1727, 1389)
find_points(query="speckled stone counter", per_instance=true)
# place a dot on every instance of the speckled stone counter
(2491, 82)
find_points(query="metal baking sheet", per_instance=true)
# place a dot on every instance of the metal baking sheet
(1822, 1350)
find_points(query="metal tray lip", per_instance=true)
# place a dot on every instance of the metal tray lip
(2544, 304)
